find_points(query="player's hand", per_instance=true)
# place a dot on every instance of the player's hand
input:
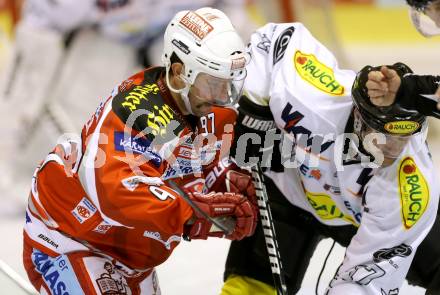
(68, 153)
(231, 209)
(241, 182)
(382, 86)
(228, 177)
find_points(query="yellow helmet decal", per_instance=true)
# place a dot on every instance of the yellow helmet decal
(414, 192)
(402, 127)
(316, 73)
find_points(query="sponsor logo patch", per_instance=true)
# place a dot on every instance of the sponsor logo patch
(264, 44)
(125, 85)
(281, 43)
(238, 63)
(132, 182)
(128, 143)
(310, 172)
(258, 124)
(84, 210)
(57, 273)
(111, 282)
(159, 118)
(401, 127)
(186, 153)
(136, 146)
(182, 46)
(181, 168)
(102, 228)
(196, 24)
(48, 240)
(326, 208)
(292, 118)
(414, 192)
(156, 236)
(316, 73)
(138, 93)
(402, 250)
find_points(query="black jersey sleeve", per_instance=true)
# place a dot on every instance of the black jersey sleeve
(416, 92)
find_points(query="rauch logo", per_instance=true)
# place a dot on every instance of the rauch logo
(414, 192)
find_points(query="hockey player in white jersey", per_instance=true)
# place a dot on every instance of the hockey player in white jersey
(378, 197)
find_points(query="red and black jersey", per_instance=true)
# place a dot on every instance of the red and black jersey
(114, 197)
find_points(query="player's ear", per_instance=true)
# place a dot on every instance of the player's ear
(177, 69)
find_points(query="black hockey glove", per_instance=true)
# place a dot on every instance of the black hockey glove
(414, 94)
(255, 135)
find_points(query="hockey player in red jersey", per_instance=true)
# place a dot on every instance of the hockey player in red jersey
(102, 212)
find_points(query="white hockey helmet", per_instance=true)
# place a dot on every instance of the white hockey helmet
(208, 45)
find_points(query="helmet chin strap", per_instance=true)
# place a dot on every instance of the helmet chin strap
(183, 91)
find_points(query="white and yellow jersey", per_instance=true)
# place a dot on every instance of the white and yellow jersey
(310, 99)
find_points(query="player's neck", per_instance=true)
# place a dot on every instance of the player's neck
(177, 98)
(179, 103)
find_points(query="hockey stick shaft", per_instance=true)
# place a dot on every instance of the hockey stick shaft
(17, 279)
(269, 231)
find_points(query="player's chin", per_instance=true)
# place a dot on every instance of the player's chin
(202, 109)
(387, 162)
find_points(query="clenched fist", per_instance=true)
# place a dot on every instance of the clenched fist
(383, 86)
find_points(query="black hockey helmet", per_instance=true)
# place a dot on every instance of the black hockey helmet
(394, 119)
(419, 4)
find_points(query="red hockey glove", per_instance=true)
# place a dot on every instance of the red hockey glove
(226, 176)
(230, 209)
